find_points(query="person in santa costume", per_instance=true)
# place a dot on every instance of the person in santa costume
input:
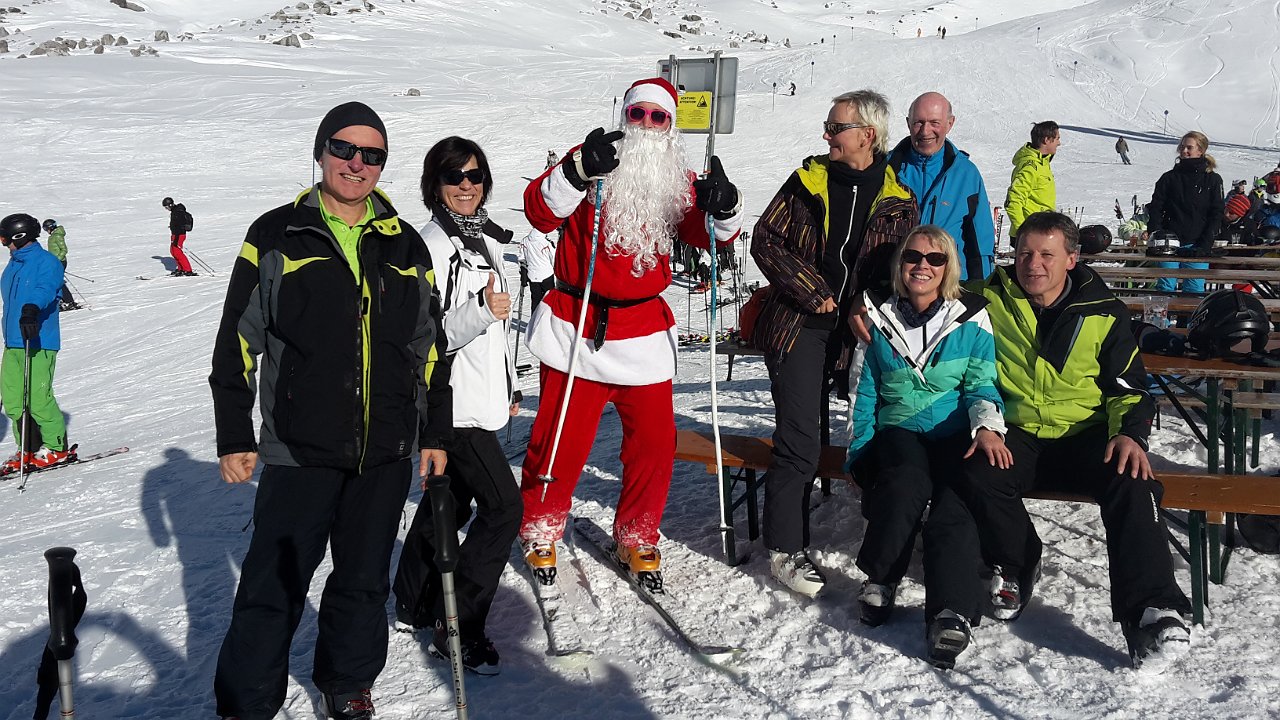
(627, 351)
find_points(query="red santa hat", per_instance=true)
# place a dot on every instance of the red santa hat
(653, 90)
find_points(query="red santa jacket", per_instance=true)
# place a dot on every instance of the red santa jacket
(639, 343)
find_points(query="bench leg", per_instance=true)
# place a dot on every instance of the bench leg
(1213, 412)
(753, 511)
(1195, 544)
(728, 541)
(729, 376)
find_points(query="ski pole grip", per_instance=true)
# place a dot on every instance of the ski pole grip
(443, 513)
(62, 637)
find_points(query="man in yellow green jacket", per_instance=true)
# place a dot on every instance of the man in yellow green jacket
(1031, 187)
(1078, 418)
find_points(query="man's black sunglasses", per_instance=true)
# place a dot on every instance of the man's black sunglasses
(455, 177)
(344, 150)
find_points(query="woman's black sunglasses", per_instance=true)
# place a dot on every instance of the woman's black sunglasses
(455, 177)
(344, 150)
(913, 257)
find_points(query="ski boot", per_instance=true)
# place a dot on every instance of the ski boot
(47, 457)
(644, 563)
(541, 557)
(354, 705)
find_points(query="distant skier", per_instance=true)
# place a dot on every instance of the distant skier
(1122, 148)
(552, 158)
(30, 285)
(180, 224)
(58, 246)
(944, 33)
(793, 89)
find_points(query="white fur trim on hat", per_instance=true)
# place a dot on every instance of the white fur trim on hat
(653, 90)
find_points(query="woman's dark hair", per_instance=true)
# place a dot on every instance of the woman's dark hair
(452, 153)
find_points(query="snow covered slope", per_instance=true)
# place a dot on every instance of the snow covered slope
(223, 120)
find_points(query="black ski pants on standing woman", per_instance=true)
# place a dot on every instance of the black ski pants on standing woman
(902, 473)
(797, 382)
(296, 513)
(478, 470)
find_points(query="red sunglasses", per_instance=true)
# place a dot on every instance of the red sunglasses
(637, 114)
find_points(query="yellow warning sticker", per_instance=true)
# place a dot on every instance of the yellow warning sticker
(694, 111)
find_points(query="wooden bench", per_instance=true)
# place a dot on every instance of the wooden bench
(1207, 498)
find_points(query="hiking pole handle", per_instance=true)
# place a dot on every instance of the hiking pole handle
(443, 512)
(62, 636)
(62, 622)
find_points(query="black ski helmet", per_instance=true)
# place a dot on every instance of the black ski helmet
(1163, 243)
(19, 229)
(1094, 239)
(49, 225)
(1227, 317)
(166, 203)
(1267, 235)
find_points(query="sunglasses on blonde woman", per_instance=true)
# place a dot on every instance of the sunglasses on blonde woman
(913, 257)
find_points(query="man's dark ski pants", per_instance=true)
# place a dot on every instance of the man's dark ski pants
(297, 512)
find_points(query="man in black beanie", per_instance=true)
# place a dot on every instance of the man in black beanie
(339, 295)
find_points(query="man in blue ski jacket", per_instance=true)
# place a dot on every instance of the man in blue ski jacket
(946, 183)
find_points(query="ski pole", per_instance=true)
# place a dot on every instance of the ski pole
(446, 559)
(547, 477)
(515, 352)
(726, 530)
(65, 593)
(202, 263)
(26, 413)
(78, 277)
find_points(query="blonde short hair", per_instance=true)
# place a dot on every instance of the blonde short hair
(872, 109)
(941, 241)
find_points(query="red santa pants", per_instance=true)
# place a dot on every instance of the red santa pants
(648, 452)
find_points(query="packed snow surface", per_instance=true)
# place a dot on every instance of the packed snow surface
(222, 119)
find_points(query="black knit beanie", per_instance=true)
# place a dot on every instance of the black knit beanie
(344, 116)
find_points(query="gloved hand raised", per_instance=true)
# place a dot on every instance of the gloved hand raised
(715, 194)
(597, 157)
(29, 323)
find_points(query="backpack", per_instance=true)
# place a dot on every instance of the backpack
(751, 312)
(188, 222)
(1260, 532)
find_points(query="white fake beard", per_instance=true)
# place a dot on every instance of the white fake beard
(646, 197)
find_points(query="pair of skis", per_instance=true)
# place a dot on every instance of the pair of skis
(565, 637)
(79, 460)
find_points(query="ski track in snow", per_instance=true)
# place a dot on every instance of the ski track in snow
(224, 122)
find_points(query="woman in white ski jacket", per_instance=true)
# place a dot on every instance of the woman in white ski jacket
(925, 401)
(465, 253)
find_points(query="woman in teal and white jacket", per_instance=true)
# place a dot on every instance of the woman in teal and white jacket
(925, 402)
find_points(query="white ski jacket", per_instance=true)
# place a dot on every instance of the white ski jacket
(482, 377)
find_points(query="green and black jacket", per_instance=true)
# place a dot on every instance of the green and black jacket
(1083, 369)
(353, 373)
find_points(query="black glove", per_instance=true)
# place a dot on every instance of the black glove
(597, 157)
(29, 323)
(715, 194)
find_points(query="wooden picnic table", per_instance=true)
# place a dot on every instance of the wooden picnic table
(1239, 250)
(1227, 398)
(1226, 262)
(1115, 273)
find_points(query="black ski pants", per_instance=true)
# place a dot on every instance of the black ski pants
(901, 474)
(297, 512)
(797, 382)
(1139, 562)
(478, 470)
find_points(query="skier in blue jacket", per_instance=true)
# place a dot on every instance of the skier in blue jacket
(32, 286)
(946, 183)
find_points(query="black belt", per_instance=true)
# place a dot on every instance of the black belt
(603, 304)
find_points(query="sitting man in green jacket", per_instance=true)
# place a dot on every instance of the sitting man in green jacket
(1078, 418)
(1031, 187)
